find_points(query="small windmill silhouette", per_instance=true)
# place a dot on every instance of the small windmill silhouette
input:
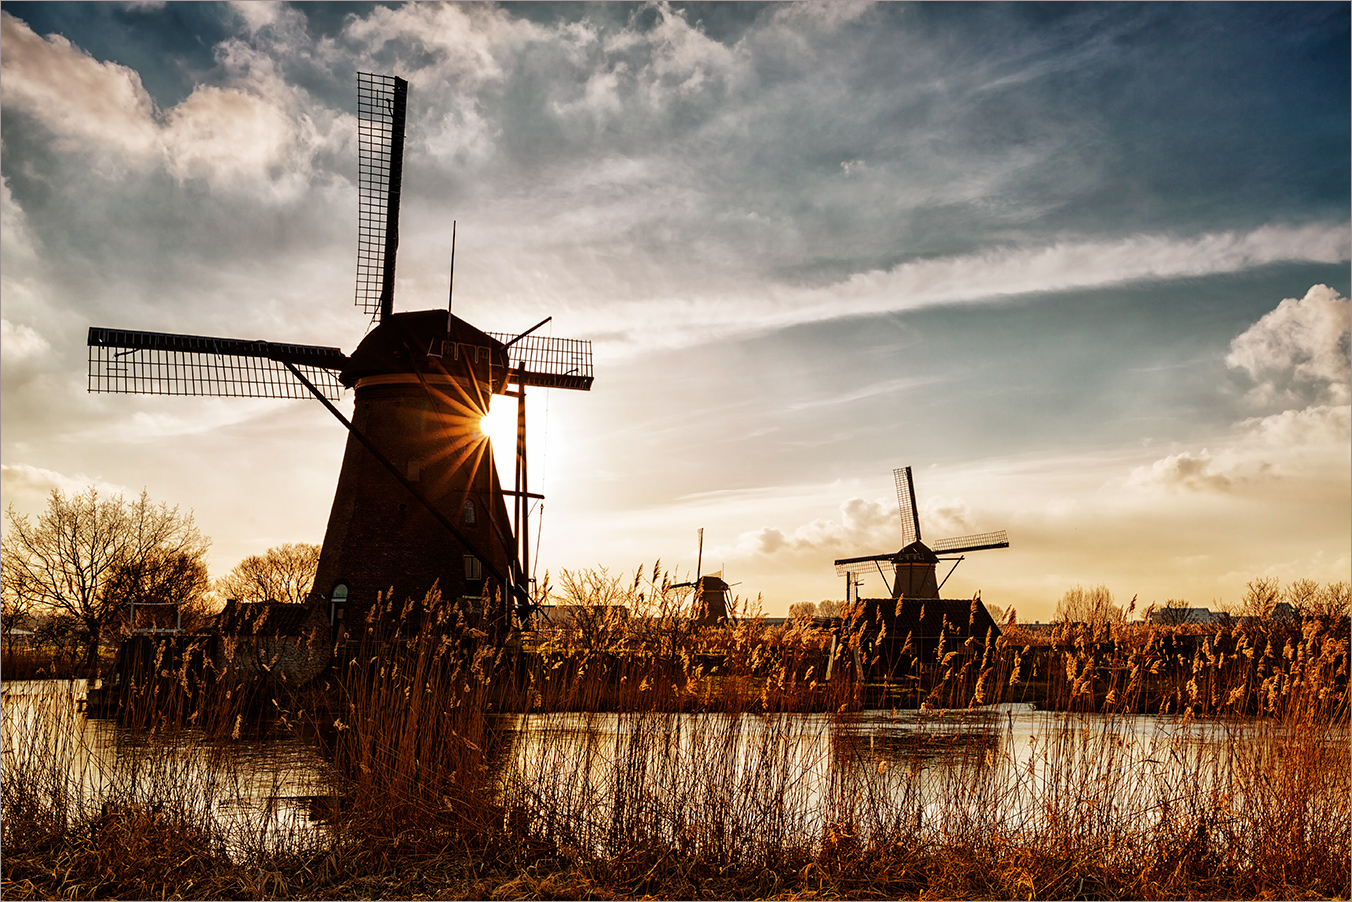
(418, 502)
(914, 566)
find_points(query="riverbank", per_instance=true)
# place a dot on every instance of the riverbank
(148, 859)
(690, 785)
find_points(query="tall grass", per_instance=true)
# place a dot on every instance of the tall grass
(641, 756)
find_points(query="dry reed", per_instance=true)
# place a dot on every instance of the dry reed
(645, 757)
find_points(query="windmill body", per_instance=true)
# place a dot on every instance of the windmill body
(914, 569)
(913, 622)
(418, 503)
(422, 383)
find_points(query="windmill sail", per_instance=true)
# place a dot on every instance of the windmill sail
(978, 542)
(161, 363)
(539, 360)
(382, 101)
(867, 564)
(910, 516)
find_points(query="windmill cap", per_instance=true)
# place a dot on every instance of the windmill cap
(916, 553)
(428, 341)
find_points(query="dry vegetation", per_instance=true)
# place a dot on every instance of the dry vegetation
(639, 757)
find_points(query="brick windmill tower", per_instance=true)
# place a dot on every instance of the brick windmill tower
(419, 502)
(913, 621)
(914, 567)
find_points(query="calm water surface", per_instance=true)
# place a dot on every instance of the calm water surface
(790, 774)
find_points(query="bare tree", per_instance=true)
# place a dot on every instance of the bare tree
(1260, 595)
(802, 610)
(597, 605)
(282, 573)
(1332, 602)
(1302, 594)
(80, 553)
(1081, 605)
(168, 588)
(829, 607)
(16, 609)
(1174, 613)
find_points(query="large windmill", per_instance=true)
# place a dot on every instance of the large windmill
(418, 501)
(913, 567)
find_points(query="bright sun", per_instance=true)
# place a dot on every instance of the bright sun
(500, 424)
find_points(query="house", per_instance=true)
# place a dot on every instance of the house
(1168, 616)
(892, 635)
(292, 642)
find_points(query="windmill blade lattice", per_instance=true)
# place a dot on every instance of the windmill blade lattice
(547, 362)
(910, 516)
(382, 102)
(161, 363)
(978, 542)
(868, 564)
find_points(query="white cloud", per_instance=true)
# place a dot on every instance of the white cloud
(864, 527)
(95, 106)
(1299, 351)
(258, 16)
(16, 239)
(1309, 428)
(1185, 470)
(973, 278)
(26, 486)
(20, 343)
(256, 139)
(232, 138)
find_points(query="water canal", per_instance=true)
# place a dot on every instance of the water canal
(581, 778)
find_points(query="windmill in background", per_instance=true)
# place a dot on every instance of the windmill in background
(710, 606)
(914, 567)
(418, 502)
(886, 636)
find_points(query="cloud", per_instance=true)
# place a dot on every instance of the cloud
(1298, 355)
(29, 483)
(20, 343)
(1299, 352)
(863, 527)
(239, 140)
(861, 523)
(1319, 426)
(986, 277)
(18, 242)
(256, 138)
(93, 105)
(1185, 470)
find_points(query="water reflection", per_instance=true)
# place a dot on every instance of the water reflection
(590, 780)
(251, 790)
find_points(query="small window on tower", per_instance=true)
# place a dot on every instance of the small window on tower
(470, 516)
(474, 568)
(337, 601)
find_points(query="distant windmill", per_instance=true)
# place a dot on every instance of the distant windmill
(418, 501)
(711, 592)
(913, 567)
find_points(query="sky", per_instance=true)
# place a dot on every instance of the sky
(1084, 267)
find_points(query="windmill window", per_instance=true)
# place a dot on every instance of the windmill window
(337, 602)
(469, 515)
(474, 568)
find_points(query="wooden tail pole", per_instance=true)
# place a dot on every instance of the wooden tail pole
(523, 485)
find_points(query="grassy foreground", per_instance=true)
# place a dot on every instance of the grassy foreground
(700, 787)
